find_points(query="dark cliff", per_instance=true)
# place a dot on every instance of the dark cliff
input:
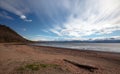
(9, 35)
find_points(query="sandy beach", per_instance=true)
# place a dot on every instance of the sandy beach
(27, 59)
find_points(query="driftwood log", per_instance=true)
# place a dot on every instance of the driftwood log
(86, 67)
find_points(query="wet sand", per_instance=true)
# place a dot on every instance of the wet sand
(13, 56)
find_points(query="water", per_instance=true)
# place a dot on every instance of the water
(110, 47)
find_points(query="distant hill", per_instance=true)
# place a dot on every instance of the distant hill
(110, 40)
(9, 35)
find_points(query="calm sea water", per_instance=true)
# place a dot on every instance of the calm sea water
(110, 47)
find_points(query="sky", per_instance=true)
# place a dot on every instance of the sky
(46, 20)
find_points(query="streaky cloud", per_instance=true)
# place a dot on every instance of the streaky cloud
(6, 16)
(69, 18)
(90, 18)
(17, 7)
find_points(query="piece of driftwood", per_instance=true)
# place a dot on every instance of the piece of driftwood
(86, 67)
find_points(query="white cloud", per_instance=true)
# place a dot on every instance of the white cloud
(23, 17)
(44, 38)
(40, 39)
(17, 7)
(82, 17)
(56, 32)
(27, 20)
(94, 17)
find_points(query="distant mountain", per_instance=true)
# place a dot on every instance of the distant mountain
(9, 35)
(99, 41)
(105, 41)
(110, 40)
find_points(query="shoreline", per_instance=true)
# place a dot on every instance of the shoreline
(70, 61)
(78, 51)
(81, 50)
(110, 48)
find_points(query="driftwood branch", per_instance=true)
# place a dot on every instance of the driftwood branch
(86, 67)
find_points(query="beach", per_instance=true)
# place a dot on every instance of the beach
(18, 58)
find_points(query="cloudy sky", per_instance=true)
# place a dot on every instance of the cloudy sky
(62, 19)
